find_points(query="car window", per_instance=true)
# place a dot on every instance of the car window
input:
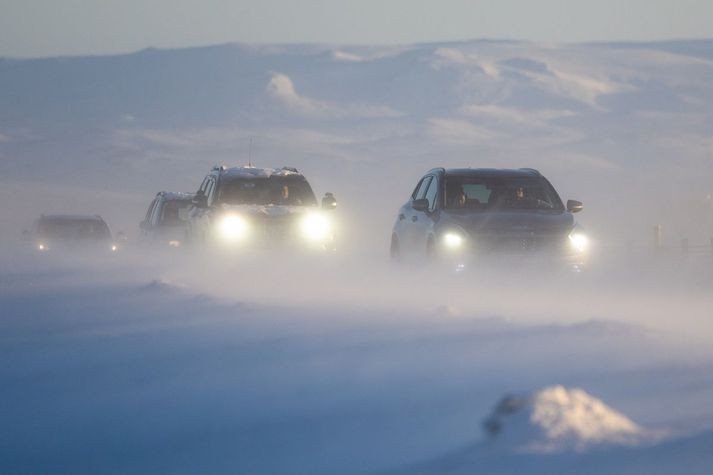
(204, 184)
(431, 194)
(155, 215)
(272, 191)
(73, 228)
(173, 213)
(495, 192)
(418, 187)
(147, 218)
(477, 191)
(209, 191)
(424, 187)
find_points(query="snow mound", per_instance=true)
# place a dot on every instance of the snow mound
(557, 419)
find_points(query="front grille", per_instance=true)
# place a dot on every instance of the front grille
(276, 228)
(525, 242)
(277, 232)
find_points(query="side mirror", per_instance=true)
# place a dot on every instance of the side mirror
(574, 206)
(200, 200)
(329, 201)
(420, 205)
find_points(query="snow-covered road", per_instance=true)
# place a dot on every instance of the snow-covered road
(140, 369)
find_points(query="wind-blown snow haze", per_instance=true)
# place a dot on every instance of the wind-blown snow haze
(187, 359)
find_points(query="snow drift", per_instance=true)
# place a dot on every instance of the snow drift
(557, 419)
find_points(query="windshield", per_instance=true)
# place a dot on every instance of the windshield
(270, 191)
(473, 192)
(78, 228)
(174, 213)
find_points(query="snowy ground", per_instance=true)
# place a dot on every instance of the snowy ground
(174, 367)
(146, 363)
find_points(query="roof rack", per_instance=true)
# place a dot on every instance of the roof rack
(218, 168)
(290, 169)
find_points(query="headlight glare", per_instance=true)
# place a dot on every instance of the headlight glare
(233, 228)
(579, 241)
(453, 240)
(315, 227)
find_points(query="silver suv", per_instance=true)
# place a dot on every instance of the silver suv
(248, 207)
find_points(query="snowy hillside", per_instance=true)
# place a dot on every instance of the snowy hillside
(635, 116)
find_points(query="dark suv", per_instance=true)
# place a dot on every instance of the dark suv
(248, 207)
(69, 232)
(469, 215)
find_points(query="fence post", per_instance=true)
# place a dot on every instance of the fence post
(712, 246)
(684, 246)
(657, 238)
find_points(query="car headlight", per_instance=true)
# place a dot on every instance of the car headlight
(233, 228)
(453, 240)
(114, 248)
(42, 246)
(316, 227)
(579, 241)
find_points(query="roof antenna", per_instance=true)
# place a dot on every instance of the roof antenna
(250, 153)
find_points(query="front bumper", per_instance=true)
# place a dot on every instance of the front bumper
(516, 261)
(304, 232)
(514, 254)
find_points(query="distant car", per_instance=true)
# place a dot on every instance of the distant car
(248, 207)
(83, 233)
(466, 216)
(166, 218)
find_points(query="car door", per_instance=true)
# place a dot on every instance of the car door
(423, 221)
(408, 218)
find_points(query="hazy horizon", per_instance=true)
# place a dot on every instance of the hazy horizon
(44, 29)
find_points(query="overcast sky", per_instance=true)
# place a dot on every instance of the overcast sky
(59, 27)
